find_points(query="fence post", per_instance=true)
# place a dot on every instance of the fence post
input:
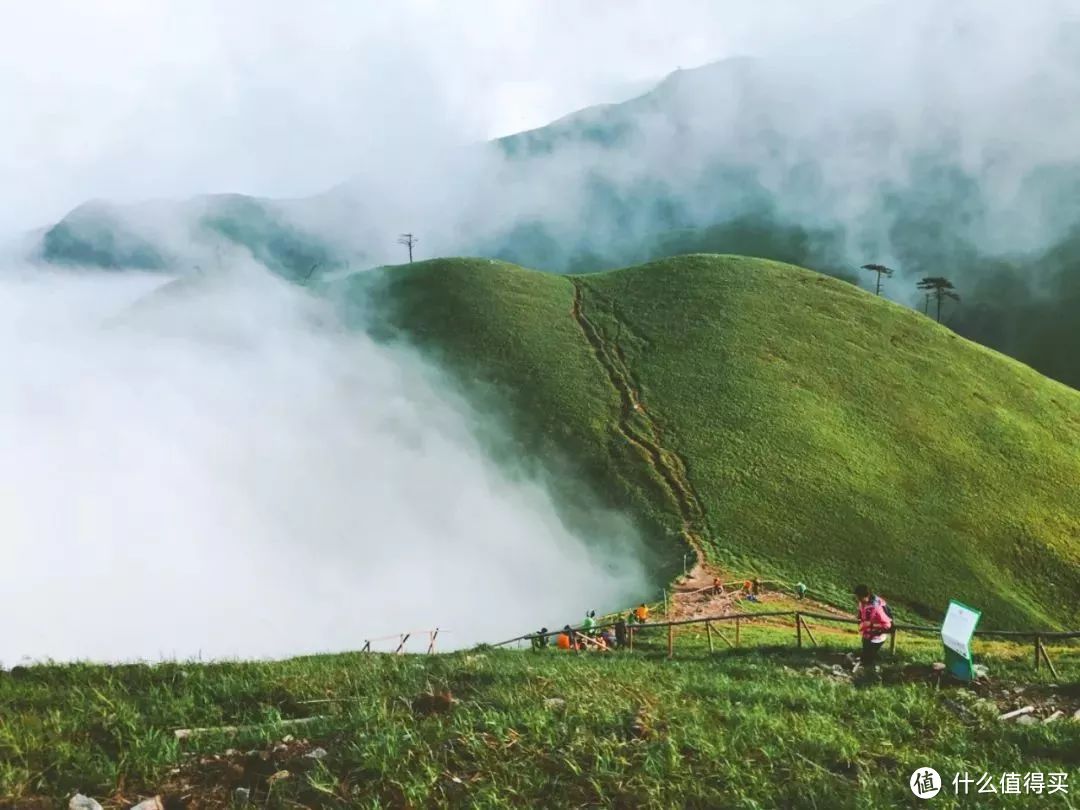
(671, 641)
(1046, 658)
(708, 631)
(630, 629)
(809, 633)
(665, 605)
(738, 623)
(1038, 644)
(798, 629)
(892, 641)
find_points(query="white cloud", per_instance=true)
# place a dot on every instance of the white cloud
(137, 99)
(224, 470)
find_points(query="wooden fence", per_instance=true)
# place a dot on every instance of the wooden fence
(801, 627)
(402, 639)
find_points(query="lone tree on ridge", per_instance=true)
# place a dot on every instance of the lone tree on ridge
(881, 270)
(408, 240)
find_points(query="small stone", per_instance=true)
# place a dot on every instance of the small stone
(937, 666)
(288, 738)
(1027, 720)
(1016, 713)
(316, 753)
(153, 803)
(1055, 716)
(80, 802)
(242, 795)
(277, 777)
(1076, 715)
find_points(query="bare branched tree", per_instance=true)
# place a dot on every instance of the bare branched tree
(408, 240)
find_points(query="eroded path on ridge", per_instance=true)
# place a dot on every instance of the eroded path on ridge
(640, 430)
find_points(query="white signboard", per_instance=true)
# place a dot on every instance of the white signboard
(959, 627)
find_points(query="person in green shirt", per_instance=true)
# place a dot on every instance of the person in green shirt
(589, 625)
(800, 589)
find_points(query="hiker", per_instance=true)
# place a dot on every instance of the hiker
(620, 632)
(565, 640)
(589, 625)
(608, 639)
(757, 586)
(717, 587)
(748, 591)
(875, 622)
(540, 640)
(641, 613)
(800, 589)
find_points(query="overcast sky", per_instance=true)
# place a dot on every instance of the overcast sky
(132, 99)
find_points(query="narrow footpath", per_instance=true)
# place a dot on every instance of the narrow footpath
(639, 429)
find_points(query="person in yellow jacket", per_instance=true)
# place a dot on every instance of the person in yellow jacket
(641, 613)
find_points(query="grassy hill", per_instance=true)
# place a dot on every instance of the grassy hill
(762, 726)
(787, 422)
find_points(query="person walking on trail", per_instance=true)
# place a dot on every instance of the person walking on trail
(540, 640)
(748, 591)
(875, 622)
(717, 587)
(800, 589)
(589, 625)
(620, 632)
(641, 613)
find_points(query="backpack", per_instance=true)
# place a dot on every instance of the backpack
(885, 607)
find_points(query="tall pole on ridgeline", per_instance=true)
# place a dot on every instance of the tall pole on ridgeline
(408, 240)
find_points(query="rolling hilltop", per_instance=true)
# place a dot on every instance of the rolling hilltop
(738, 156)
(782, 421)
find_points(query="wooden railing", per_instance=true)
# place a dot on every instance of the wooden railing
(403, 638)
(800, 627)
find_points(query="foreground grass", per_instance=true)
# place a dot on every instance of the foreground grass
(827, 435)
(743, 728)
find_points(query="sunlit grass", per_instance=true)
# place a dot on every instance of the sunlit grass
(742, 728)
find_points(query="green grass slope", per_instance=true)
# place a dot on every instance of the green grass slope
(790, 423)
(747, 728)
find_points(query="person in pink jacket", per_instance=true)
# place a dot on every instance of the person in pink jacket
(875, 622)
